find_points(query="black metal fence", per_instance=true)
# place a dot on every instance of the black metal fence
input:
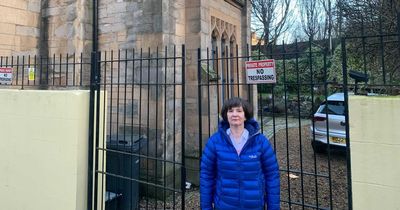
(314, 175)
(308, 179)
(144, 134)
(47, 72)
(143, 165)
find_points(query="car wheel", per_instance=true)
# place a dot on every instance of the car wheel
(318, 147)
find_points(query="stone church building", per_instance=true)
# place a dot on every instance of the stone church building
(47, 27)
(65, 26)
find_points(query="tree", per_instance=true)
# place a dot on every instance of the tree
(317, 20)
(270, 17)
(311, 18)
(373, 21)
(327, 5)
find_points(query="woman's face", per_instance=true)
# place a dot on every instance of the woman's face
(236, 116)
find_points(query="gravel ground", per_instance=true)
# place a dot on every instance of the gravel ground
(315, 190)
(298, 188)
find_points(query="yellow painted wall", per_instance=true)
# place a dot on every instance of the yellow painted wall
(375, 152)
(43, 149)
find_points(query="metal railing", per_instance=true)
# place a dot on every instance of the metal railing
(60, 71)
(146, 111)
(145, 128)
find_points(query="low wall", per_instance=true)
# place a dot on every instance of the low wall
(375, 148)
(43, 149)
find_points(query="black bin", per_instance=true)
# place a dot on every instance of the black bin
(112, 200)
(122, 193)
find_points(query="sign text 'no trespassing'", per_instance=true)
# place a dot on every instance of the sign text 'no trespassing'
(262, 71)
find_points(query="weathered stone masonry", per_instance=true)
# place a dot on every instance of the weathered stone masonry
(51, 27)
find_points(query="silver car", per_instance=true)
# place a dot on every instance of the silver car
(329, 123)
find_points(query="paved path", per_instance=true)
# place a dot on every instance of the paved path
(280, 124)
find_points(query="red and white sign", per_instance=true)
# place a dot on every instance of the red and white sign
(6, 75)
(262, 71)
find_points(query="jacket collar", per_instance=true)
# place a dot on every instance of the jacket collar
(251, 125)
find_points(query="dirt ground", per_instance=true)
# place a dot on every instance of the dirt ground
(300, 186)
(310, 189)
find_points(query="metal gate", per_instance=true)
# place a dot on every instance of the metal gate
(148, 154)
(311, 178)
(141, 116)
(141, 122)
(138, 148)
(305, 114)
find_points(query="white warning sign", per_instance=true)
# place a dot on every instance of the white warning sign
(262, 71)
(6, 76)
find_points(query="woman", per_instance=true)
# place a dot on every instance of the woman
(238, 167)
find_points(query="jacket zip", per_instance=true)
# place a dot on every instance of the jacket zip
(244, 147)
(239, 159)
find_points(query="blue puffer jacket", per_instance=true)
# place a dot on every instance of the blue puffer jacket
(231, 181)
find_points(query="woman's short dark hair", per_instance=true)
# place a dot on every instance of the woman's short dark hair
(237, 102)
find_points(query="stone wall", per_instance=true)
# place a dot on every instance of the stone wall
(19, 26)
(146, 26)
(65, 34)
(50, 26)
(141, 24)
(201, 16)
(67, 26)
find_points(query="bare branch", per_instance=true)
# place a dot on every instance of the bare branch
(272, 16)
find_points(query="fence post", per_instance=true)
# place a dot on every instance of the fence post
(346, 114)
(94, 86)
(183, 167)
(93, 132)
(199, 86)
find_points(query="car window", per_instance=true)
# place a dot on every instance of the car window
(334, 107)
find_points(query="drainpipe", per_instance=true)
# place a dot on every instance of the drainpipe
(43, 44)
(95, 25)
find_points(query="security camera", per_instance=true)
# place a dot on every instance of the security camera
(358, 76)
